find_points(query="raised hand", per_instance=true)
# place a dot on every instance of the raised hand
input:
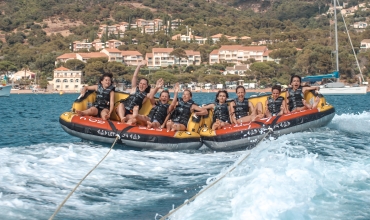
(159, 83)
(142, 63)
(177, 87)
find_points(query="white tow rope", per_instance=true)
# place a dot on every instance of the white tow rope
(213, 183)
(78, 184)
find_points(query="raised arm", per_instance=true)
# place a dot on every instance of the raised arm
(154, 91)
(209, 106)
(85, 88)
(176, 91)
(304, 89)
(134, 77)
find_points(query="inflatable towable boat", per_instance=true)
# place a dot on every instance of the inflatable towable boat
(246, 135)
(96, 129)
(234, 137)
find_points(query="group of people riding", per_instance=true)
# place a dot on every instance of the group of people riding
(175, 116)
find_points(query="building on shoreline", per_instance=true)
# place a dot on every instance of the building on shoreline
(66, 79)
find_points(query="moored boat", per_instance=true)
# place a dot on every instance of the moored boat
(5, 90)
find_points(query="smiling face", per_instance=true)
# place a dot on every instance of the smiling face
(186, 96)
(143, 84)
(296, 82)
(106, 82)
(240, 92)
(164, 97)
(221, 97)
(275, 93)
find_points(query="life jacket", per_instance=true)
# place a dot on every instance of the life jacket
(295, 98)
(103, 96)
(274, 105)
(182, 112)
(241, 108)
(135, 99)
(221, 112)
(159, 112)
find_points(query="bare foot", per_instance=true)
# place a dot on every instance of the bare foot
(149, 125)
(131, 121)
(123, 120)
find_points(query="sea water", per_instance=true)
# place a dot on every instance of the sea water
(323, 173)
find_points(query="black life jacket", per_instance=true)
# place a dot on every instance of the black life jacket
(274, 105)
(295, 98)
(182, 112)
(135, 99)
(241, 108)
(103, 96)
(159, 112)
(221, 112)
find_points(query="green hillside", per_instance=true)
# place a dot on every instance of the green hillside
(290, 24)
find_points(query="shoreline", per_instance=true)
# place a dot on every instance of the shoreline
(29, 91)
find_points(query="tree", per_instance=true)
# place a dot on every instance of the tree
(167, 77)
(179, 53)
(6, 67)
(75, 64)
(117, 70)
(93, 71)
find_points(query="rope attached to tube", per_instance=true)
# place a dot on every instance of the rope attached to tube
(79, 183)
(212, 184)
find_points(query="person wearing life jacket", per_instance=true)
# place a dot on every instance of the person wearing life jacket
(160, 109)
(275, 104)
(221, 116)
(240, 108)
(139, 94)
(295, 95)
(104, 103)
(184, 107)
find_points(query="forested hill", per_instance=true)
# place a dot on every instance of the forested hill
(300, 30)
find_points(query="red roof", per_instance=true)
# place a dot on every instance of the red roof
(131, 52)
(62, 68)
(214, 52)
(67, 56)
(162, 50)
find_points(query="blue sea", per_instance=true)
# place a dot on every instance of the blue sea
(322, 173)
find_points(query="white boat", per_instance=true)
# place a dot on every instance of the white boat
(5, 90)
(338, 88)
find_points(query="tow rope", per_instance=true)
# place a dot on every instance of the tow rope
(212, 184)
(79, 183)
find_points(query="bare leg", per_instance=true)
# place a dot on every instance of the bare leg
(317, 100)
(178, 127)
(306, 105)
(105, 114)
(216, 125)
(259, 109)
(156, 124)
(93, 111)
(135, 112)
(248, 118)
(169, 125)
(121, 112)
(149, 125)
